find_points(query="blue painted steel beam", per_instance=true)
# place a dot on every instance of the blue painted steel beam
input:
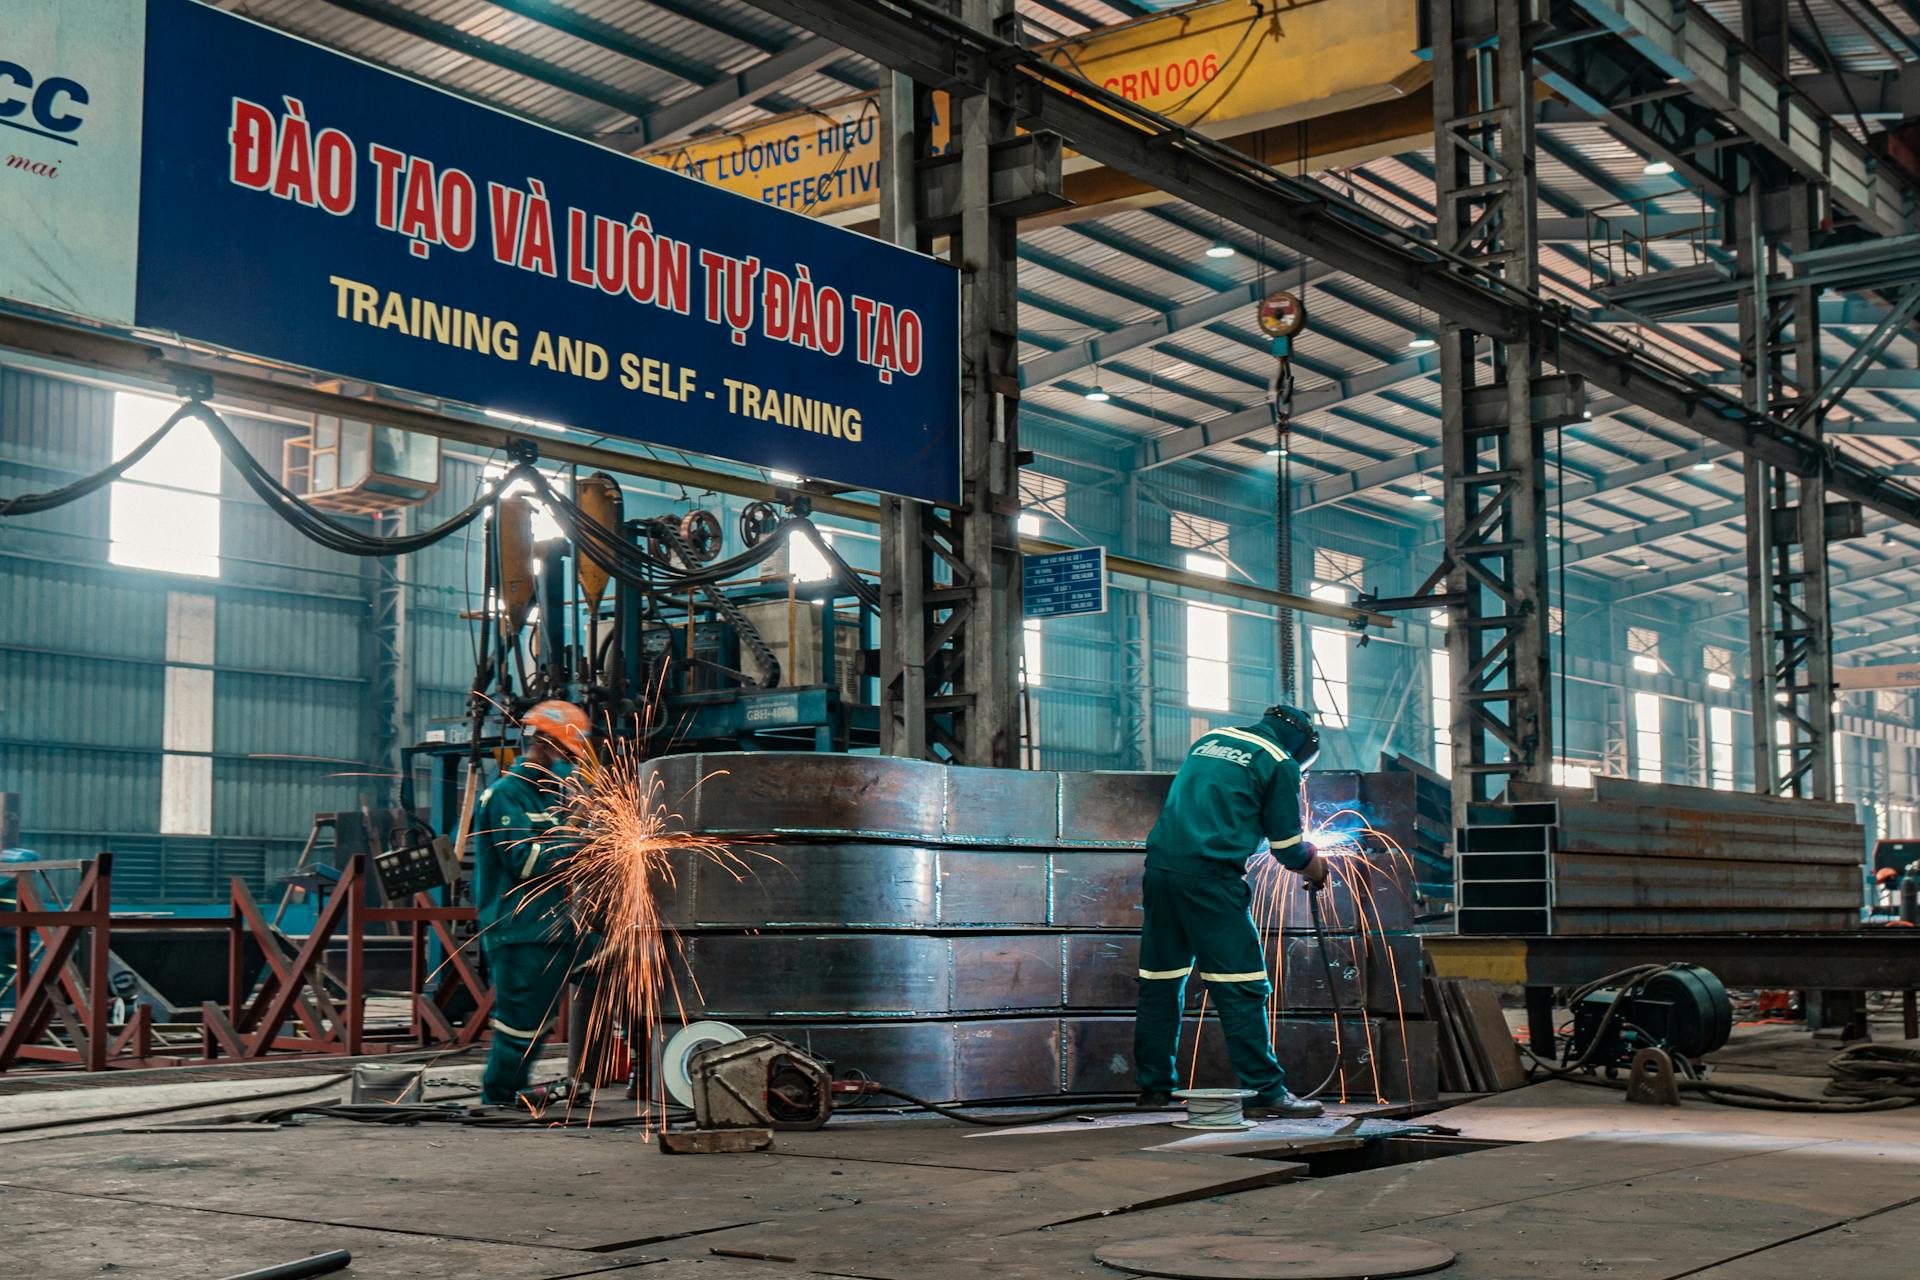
(1154, 256)
(1080, 273)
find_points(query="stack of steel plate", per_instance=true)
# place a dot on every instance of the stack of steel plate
(1636, 857)
(972, 933)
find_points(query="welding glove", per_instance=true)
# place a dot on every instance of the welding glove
(1317, 868)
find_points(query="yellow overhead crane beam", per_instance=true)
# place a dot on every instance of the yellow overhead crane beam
(1252, 76)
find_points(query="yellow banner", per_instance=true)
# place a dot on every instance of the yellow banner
(1219, 63)
(822, 161)
(1209, 66)
(1899, 675)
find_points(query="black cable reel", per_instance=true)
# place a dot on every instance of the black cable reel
(758, 521)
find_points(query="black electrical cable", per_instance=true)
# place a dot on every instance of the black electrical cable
(392, 1113)
(1333, 992)
(1045, 1117)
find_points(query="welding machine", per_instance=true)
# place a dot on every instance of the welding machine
(1679, 1008)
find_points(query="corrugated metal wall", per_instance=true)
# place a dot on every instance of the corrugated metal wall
(83, 667)
(84, 659)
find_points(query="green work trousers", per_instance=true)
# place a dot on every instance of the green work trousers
(1204, 920)
(529, 982)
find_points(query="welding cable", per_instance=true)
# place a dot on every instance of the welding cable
(1626, 980)
(30, 504)
(288, 505)
(1333, 991)
(324, 1082)
(952, 1113)
(417, 1113)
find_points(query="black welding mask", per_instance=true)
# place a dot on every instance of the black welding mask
(1297, 735)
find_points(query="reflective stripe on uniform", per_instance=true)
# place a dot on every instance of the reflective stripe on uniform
(526, 868)
(1243, 736)
(1166, 973)
(1288, 843)
(1258, 975)
(516, 1032)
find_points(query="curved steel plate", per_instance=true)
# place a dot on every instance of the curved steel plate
(1012, 1057)
(806, 975)
(777, 794)
(872, 885)
(1317, 1257)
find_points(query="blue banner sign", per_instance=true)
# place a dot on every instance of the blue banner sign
(1058, 584)
(304, 207)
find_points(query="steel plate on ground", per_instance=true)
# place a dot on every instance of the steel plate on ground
(1318, 1257)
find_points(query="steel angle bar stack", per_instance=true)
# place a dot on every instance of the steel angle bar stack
(1636, 857)
(968, 934)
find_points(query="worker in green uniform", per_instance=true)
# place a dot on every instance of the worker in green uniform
(527, 930)
(1235, 788)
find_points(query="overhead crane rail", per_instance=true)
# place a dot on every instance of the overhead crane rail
(938, 49)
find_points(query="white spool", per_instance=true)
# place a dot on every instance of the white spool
(1214, 1109)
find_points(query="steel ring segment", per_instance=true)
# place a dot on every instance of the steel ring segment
(686, 1042)
(1355, 1257)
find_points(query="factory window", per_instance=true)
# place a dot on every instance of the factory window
(1900, 822)
(1029, 524)
(804, 560)
(1440, 618)
(1556, 620)
(1209, 651)
(1198, 533)
(1440, 687)
(1890, 702)
(165, 512)
(1648, 763)
(1720, 748)
(1338, 568)
(1211, 566)
(1329, 651)
(1644, 644)
(1783, 742)
(1568, 774)
(1332, 694)
(1042, 495)
(1033, 664)
(1718, 662)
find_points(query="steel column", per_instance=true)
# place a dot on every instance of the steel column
(392, 689)
(1492, 463)
(1789, 632)
(950, 616)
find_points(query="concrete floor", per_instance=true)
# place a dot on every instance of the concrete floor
(1596, 1187)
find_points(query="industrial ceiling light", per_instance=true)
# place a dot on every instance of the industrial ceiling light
(1422, 342)
(1276, 450)
(1656, 168)
(1425, 494)
(1098, 394)
(1219, 249)
(1703, 465)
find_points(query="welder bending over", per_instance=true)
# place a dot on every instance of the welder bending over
(1235, 788)
(527, 930)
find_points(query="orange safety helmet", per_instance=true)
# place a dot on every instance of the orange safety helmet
(563, 723)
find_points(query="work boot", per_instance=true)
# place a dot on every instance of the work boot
(1284, 1105)
(1153, 1100)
